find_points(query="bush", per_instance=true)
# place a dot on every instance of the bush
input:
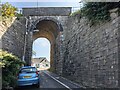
(10, 66)
(98, 11)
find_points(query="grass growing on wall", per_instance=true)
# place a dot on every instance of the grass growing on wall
(97, 12)
(75, 13)
(10, 65)
(51, 69)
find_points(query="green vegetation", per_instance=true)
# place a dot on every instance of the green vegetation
(97, 12)
(51, 69)
(33, 53)
(47, 65)
(8, 10)
(75, 13)
(10, 65)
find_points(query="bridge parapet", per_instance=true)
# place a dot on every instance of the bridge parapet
(47, 11)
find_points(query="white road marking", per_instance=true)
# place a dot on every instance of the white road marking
(58, 81)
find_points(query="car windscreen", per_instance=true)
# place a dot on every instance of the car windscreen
(28, 70)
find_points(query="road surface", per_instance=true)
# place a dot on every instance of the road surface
(52, 81)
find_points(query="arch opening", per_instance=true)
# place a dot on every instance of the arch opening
(41, 54)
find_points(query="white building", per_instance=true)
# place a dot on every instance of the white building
(41, 63)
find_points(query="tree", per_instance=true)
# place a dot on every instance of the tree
(8, 10)
(33, 53)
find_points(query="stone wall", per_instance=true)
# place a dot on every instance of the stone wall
(58, 57)
(12, 34)
(91, 54)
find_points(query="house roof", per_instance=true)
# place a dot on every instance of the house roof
(39, 60)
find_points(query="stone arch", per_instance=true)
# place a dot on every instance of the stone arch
(50, 19)
(51, 29)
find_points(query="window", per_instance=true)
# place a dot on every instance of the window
(28, 70)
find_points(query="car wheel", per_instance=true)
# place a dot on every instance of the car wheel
(38, 85)
(16, 88)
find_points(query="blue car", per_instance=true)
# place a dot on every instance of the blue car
(28, 75)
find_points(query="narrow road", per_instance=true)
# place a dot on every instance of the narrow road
(49, 80)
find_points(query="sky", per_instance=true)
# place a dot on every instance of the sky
(41, 45)
(40, 0)
(45, 3)
(42, 48)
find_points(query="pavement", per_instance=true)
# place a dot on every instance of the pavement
(53, 81)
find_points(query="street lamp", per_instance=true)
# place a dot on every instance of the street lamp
(35, 30)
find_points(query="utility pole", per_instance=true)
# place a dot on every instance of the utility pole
(0, 48)
(26, 33)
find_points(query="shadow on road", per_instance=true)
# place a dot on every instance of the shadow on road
(27, 88)
(34, 88)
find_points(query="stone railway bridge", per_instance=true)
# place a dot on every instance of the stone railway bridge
(50, 22)
(88, 55)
